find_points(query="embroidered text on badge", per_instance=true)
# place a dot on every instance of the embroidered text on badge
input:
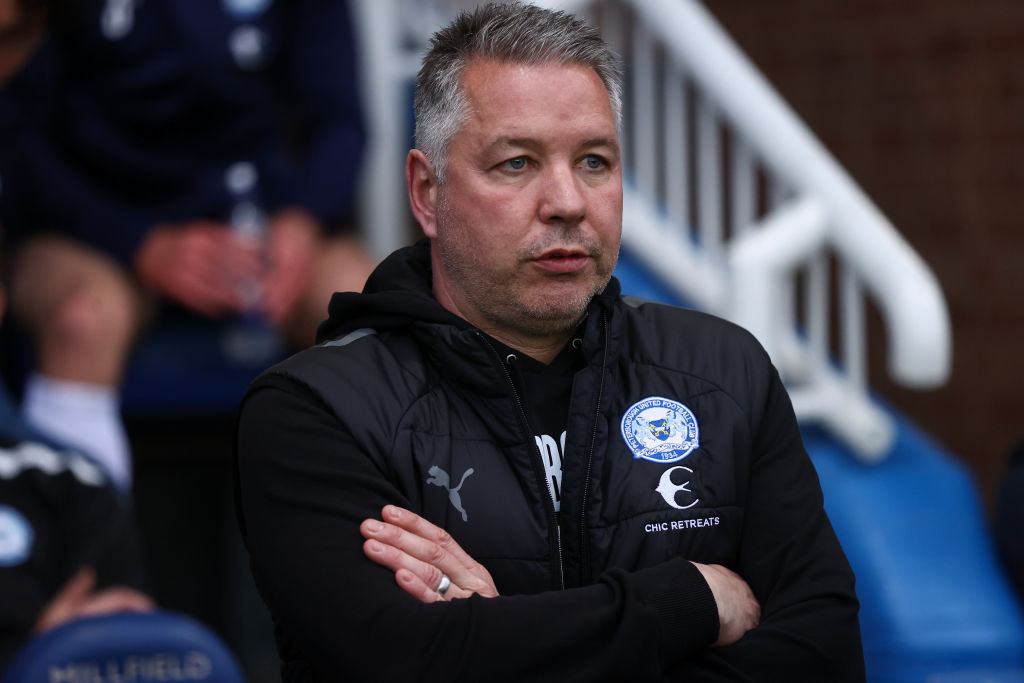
(660, 430)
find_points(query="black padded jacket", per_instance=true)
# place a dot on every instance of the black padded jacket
(681, 445)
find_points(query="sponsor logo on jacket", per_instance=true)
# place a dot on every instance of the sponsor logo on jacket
(670, 490)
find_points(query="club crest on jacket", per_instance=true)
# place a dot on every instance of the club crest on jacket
(660, 430)
(15, 537)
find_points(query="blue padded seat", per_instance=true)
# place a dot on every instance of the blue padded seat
(935, 604)
(125, 647)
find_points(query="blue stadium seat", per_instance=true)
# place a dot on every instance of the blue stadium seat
(935, 604)
(153, 646)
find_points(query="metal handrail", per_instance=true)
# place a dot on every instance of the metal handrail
(677, 55)
(904, 287)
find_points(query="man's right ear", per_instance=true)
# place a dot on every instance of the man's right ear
(422, 184)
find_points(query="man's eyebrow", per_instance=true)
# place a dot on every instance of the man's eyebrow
(506, 142)
(601, 142)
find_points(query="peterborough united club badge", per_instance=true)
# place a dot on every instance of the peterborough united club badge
(660, 430)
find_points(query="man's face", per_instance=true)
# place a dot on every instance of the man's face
(529, 219)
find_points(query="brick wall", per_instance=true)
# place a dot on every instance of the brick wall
(923, 102)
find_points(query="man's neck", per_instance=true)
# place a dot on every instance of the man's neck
(540, 347)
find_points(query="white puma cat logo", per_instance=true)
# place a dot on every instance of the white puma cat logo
(439, 477)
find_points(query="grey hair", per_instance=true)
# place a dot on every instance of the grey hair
(509, 32)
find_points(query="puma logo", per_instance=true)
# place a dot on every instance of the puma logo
(439, 477)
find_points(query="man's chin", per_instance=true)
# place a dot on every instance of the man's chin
(554, 315)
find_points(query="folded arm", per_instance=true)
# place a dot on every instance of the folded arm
(422, 555)
(305, 488)
(788, 552)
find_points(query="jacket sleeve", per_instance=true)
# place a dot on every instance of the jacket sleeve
(304, 488)
(790, 557)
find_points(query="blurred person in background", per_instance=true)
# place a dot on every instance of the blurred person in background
(69, 546)
(142, 127)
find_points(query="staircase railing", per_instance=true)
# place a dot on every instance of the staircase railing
(730, 200)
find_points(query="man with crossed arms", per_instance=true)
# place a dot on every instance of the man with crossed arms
(494, 466)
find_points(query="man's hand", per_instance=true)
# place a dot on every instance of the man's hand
(292, 242)
(420, 553)
(738, 609)
(200, 264)
(78, 598)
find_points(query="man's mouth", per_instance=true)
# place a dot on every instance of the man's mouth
(562, 260)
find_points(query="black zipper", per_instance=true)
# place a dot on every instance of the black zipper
(538, 465)
(584, 546)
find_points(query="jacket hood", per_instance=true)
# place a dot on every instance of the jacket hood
(398, 293)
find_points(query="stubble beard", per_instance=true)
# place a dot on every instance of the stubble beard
(502, 298)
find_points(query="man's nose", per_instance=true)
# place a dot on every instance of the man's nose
(562, 197)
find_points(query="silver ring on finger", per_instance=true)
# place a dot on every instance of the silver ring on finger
(445, 584)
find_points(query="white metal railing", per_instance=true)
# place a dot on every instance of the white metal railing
(731, 200)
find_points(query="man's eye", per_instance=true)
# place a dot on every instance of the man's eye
(593, 162)
(516, 164)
